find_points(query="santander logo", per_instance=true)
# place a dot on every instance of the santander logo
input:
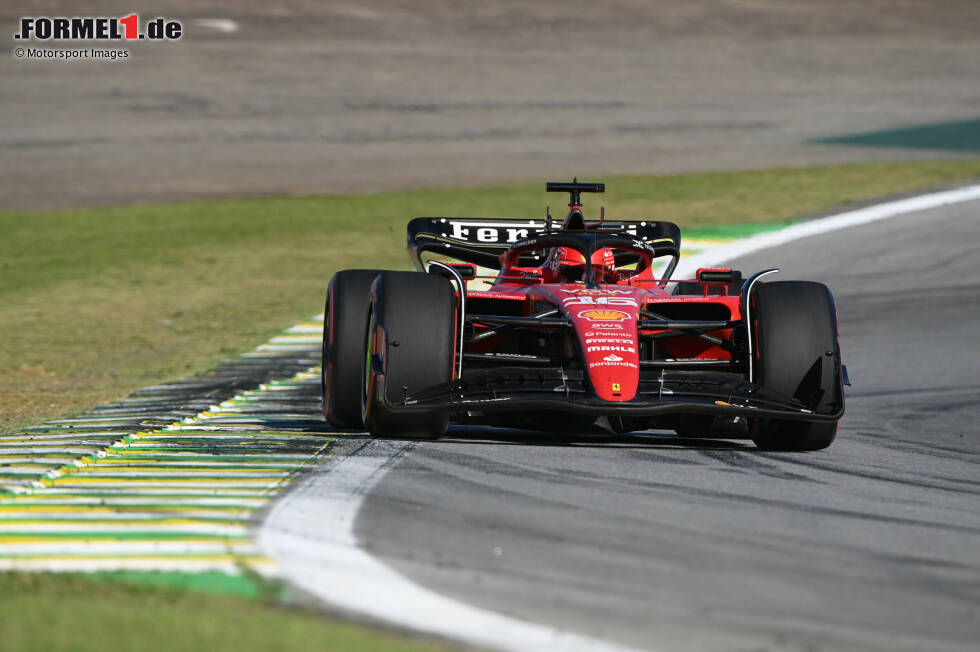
(612, 357)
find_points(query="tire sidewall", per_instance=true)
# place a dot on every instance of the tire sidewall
(345, 316)
(408, 348)
(795, 339)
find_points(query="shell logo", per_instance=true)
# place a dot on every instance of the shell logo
(603, 315)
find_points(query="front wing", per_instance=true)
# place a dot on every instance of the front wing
(510, 389)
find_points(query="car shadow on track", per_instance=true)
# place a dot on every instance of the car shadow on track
(477, 435)
(647, 439)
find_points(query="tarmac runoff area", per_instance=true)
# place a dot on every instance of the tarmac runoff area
(513, 541)
(308, 97)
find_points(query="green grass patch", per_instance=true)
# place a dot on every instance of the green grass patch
(95, 303)
(79, 613)
(246, 584)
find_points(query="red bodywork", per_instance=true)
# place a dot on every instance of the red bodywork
(584, 321)
(605, 319)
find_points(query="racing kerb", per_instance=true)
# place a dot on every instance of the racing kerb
(169, 478)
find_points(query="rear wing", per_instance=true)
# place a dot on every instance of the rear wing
(481, 241)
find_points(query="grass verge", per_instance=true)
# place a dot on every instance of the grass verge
(95, 303)
(78, 613)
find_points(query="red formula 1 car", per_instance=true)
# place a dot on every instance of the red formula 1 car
(577, 330)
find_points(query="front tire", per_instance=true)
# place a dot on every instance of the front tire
(410, 346)
(794, 326)
(345, 318)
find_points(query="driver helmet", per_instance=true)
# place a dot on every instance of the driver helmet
(570, 265)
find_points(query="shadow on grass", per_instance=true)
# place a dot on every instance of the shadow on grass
(959, 136)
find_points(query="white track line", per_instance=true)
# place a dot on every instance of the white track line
(738, 248)
(310, 531)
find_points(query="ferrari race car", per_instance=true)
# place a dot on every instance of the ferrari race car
(578, 327)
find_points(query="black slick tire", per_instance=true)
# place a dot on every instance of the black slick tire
(794, 327)
(345, 318)
(410, 347)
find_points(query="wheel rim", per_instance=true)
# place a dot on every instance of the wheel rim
(367, 386)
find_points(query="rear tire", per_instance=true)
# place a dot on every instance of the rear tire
(795, 336)
(410, 346)
(345, 318)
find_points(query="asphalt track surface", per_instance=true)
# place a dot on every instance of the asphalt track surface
(307, 97)
(666, 543)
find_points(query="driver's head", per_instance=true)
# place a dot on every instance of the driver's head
(604, 263)
(571, 265)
